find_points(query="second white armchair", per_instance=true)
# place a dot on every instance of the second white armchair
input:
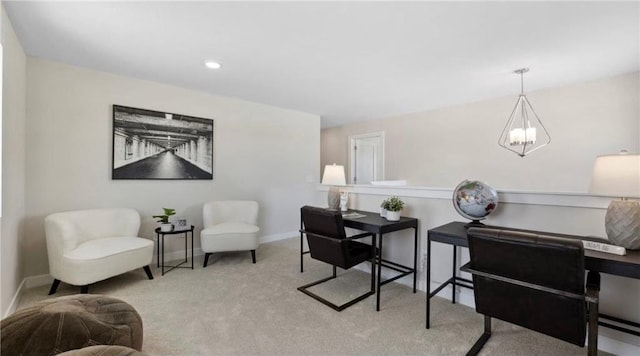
(230, 225)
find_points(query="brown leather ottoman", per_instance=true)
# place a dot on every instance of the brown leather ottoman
(68, 323)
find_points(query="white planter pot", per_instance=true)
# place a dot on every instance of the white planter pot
(393, 215)
(166, 227)
(383, 212)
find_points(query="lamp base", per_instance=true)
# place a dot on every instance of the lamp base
(622, 223)
(333, 198)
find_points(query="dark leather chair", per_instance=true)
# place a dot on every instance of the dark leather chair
(329, 243)
(535, 281)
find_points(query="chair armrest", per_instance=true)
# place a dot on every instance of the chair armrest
(327, 238)
(359, 236)
(467, 268)
(354, 237)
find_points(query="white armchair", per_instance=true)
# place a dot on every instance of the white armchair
(87, 246)
(229, 226)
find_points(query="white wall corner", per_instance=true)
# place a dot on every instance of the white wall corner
(27, 283)
(15, 300)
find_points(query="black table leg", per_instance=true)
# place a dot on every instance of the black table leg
(379, 273)
(428, 287)
(192, 248)
(162, 254)
(373, 264)
(453, 280)
(301, 246)
(301, 254)
(415, 258)
(158, 250)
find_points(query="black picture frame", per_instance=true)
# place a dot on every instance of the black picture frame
(156, 145)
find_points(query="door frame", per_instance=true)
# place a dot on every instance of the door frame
(350, 143)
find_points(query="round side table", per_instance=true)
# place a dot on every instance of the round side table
(160, 236)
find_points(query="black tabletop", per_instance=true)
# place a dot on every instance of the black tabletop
(373, 222)
(157, 230)
(455, 233)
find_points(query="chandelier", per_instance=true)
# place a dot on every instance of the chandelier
(524, 132)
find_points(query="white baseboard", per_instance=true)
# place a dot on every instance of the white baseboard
(280, 236)
(179, 254)
(37, 281)
(27, 283)
(14, 302)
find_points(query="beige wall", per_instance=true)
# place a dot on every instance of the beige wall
(13, 160)
(443, 147)
(260, 152)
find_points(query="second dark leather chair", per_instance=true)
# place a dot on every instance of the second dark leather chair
(329, 243)
(535, 281)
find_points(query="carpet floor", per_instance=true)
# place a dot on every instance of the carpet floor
(234, 307)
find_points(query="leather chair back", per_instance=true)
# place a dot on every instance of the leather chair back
(539, 259)
(326, 236)
(323, 222)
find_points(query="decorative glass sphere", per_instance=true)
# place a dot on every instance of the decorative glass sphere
(474, 200)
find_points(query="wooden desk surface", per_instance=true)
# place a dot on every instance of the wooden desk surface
(455, 233)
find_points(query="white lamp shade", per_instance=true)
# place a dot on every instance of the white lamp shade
(333, 175)
(616, 176)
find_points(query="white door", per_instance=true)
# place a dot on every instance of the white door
(366, 158)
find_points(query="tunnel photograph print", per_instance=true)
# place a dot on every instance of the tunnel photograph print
(157, 145)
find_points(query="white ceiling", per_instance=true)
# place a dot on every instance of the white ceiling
(345, 61)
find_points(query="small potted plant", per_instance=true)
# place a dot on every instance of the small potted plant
(165, 225)
(392, 206)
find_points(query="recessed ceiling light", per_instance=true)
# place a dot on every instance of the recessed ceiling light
(212, 64)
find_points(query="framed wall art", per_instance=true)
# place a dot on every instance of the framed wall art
(157, 145)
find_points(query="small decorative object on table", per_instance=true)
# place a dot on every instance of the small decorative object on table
(602, 245)
(474, 200)
(392, 207)
(163, 219)
(181, 225)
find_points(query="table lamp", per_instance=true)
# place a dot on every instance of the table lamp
(618, 175)
(334, 176)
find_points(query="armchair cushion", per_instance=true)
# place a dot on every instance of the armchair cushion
(107, 247)
(229, 237)
(231, 228)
